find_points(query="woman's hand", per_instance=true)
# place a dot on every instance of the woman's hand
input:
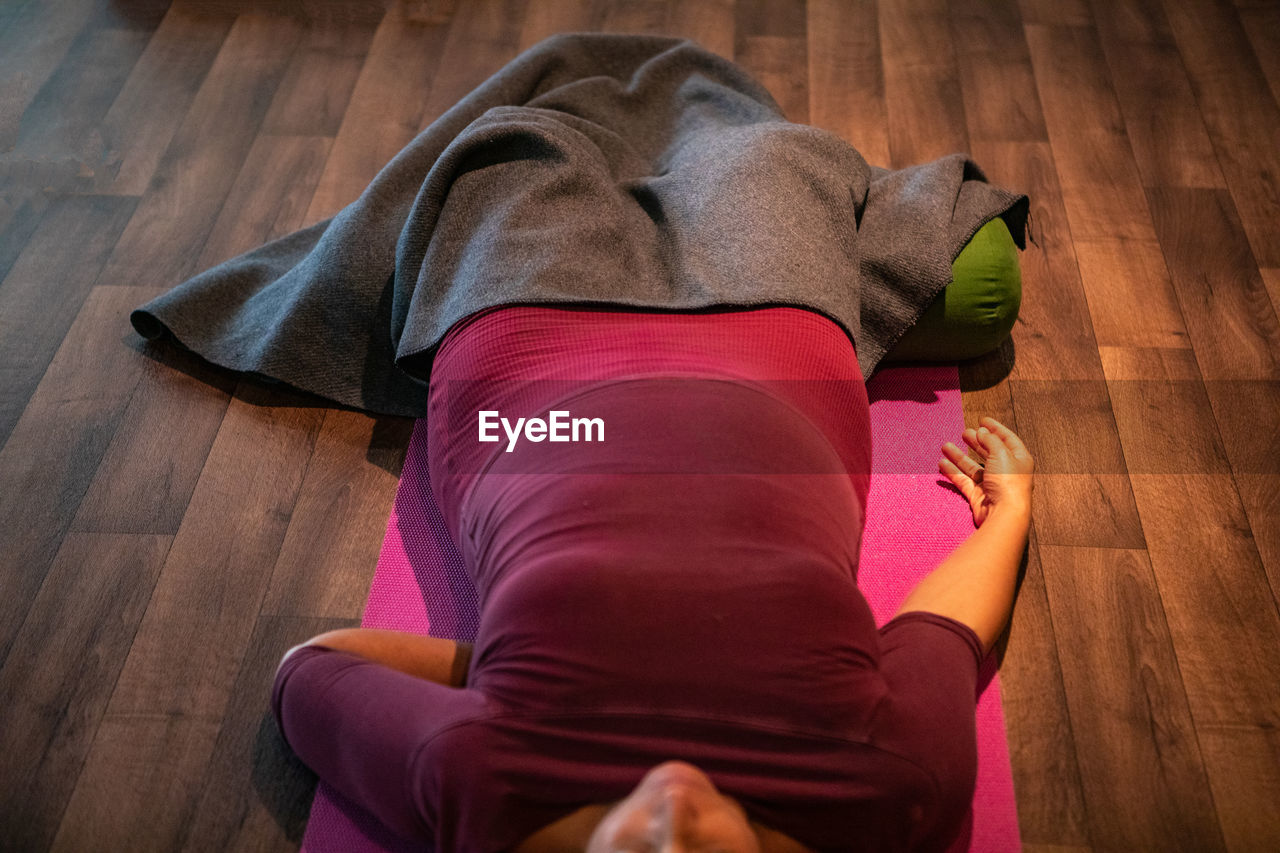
(1001, 474)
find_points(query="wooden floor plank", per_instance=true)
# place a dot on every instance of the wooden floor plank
(170, 700)
(1070, 13)
(20, 215)
(1243, 123)
(146, 478)
(1225, 304)
(54, 449)
(258, 793)
(921, 82)
(1000, 99)
(1101, 184)
(1225, 631)
(779, 63)
(336, 529)
(271, 195)
(1083, 497)
(313, 95)
(141, 123)
(1143, 776)
(1261, 24)
(160, 245)
(846, 76)
(769, 41)
(1053, 335)
(1132, 301)
(633, 16)
(709, 23)
(1209, 573)
(543, 20)
(35, 42)
(1042, 747)
(1183, 439)
(60, 128)
(1162, 119)
(67, 656)
(483, 36)
(1046, 775)
(32, 325)
(1271, 280)
(404, 55)
(1242, 410)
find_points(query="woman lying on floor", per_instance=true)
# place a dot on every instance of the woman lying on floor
(673, 653)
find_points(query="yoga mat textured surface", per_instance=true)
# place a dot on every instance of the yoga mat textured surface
(914, 520)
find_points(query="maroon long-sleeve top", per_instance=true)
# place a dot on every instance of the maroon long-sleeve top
(683, 589)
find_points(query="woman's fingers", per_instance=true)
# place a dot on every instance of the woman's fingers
(1007, 435)
(962, 481)
(990, 442)
(971, 438)
(962, 462)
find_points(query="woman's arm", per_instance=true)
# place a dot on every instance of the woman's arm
(433, 658)
(975, 584)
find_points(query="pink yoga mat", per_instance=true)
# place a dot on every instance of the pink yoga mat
(914, 520)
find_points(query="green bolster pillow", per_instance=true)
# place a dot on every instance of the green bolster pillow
(975, 313)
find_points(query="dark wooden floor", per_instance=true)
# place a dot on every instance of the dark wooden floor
(167, 531)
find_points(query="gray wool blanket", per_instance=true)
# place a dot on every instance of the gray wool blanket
(614, 170)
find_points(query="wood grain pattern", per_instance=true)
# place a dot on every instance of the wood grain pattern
(1162, 120)
(313, 95)
(37, 38)
(1046, 775)
(1000, 98)
(142, 120)
(1243, 410)
(257, 793)
(1082, 492)
(1042, 746)
(32, 325)
(403, 56)
(336, 529)
(176, 682)
(1225, 630)
(199, 167)
(543, 20)
(1132, 301)
(145, 480)
(1053, 336)
(1129, 714)
(921, 82)
(769, 41)
(68, 656)
(1072, 13)
(710, 23)
(1261, 24)
(59, 138)
(1228, 312)
(1242, 121)
(1101, 185)
(1271, 280)
(20, 214)
(50, 457)
(635, 16)
(846, 79)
